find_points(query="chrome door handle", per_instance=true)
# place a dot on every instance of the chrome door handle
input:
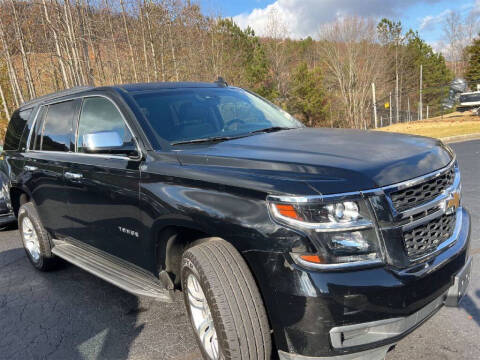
(73, 176)
(30, 168)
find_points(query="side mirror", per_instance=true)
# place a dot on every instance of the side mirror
(101, 141)
(107, 142)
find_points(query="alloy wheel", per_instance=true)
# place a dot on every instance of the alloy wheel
(202, 317)
(30, 239)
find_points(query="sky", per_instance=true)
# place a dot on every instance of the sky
(303, 17)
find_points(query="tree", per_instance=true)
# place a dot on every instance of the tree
(243, 60)
(352, 60)
(390, 34)
(472, 73)
(307, 96)
(436, 75)
(453, 30)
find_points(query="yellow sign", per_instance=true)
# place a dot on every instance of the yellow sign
(387, 105)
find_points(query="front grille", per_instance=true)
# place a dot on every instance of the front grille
(425, 238)
(422, 193)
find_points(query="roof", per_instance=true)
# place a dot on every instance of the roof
(125, 87)
(71, 91)
(165, 85)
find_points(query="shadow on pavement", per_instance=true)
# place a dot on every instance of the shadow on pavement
(65, 314)
(471, 308)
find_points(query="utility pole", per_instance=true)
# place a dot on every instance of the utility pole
(421, 87)
(390, 103)
(408, 105)
(397, 96)
(374, 105)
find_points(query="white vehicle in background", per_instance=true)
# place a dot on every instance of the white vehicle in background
(470, 101)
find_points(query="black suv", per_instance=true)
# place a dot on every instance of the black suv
(309, 243)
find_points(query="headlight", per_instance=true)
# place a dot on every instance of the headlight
(342, 227)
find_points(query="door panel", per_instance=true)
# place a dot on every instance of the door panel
(44, 167)
(104, 205)
(103, 189)
(43, 174)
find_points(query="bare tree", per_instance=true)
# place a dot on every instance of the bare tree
(12, 74)
(114, 43)
(454, 34)
(353, 59)
(4, 102)
(57, 46)
(277, 33)
(26, 65)
(132, 56)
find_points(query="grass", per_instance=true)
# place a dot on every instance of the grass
(450, 125)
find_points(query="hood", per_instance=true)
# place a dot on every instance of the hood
(328, 160)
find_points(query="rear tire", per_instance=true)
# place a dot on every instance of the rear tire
(35, 239)
(235, 315)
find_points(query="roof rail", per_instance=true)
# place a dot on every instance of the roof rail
(221, 82)
(71, 91)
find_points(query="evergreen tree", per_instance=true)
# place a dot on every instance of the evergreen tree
(436, 75)
(472, 73)
(307, 97)
(242, 48)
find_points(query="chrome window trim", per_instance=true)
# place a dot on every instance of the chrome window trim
(77, 120)
(27, 146)
(124, 120)
(70, 153)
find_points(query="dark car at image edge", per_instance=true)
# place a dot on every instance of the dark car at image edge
(285, 240)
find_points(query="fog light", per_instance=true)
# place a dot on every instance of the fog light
(353, 242)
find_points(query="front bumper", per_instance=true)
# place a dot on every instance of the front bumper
(328, 314)
(373, 332)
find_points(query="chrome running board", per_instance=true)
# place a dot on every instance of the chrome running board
(113, 270)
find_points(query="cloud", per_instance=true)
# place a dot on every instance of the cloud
(430, 21)
(303, 17)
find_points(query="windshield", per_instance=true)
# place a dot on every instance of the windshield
(180, 115)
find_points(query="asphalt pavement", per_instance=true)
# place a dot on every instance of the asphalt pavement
(70, 314)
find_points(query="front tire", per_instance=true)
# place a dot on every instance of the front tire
(224, 303)
(35, 239)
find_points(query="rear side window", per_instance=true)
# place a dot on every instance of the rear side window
(57, 131)
(100, 115)
(15, 129)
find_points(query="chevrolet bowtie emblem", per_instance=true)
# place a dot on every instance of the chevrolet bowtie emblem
(453, 202)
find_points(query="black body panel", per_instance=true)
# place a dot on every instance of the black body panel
(124, 206)
(331, 160)
(103, 200)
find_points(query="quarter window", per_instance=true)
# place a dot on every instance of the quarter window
(15, 129)
(36, 137)
(101, 117)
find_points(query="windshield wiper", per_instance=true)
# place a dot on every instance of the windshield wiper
(225, 138)
(206, 140)
(271, 129)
